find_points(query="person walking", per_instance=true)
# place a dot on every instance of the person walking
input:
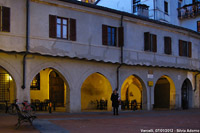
(115, 102)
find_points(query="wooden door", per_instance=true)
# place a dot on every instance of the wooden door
(56, 89)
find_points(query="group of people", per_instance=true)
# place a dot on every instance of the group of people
(115, 102)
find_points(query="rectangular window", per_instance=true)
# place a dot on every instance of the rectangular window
(185, 48)
(198, 26)
(109, 36)
(166, 7)
(59, 28)
(62, 29)
(35, 84)
(5, 19)
(167, 45)
(150, 42)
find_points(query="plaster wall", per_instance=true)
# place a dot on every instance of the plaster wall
(89, 37)
(16, 36)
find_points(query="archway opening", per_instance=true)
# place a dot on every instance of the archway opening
(50, 86)
(165, 93)
(95, 93)
(187, 94)
(7, 88)
(133, 89)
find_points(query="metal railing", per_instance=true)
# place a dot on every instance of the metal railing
(189, 11)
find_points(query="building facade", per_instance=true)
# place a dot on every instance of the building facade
(76, 54)
(184, 13)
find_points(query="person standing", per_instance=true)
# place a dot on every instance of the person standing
(115, 102)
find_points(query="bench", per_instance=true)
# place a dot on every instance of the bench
(24, 117)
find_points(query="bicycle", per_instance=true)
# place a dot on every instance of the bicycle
(12, 109)
(26, 107)
(29, 108)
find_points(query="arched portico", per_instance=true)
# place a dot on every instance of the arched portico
(95, 93)
(186, 95)
(133, 88)
(164, 93)
(7, 86)
(50, 84)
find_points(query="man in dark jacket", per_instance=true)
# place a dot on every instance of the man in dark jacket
(115, 102)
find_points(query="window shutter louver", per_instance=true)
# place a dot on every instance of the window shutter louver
(5, 19)
(154, 43)
(121, 36)
(189, 49)
(167, 41)
(180, 48)
(170, 45)
(165, 45)
(104, 35)
(52, 26)
(72, 29)
(146, 41)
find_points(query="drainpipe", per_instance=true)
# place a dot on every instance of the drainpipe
(154, 10)
(121, 60)
(195, 88)
(27, 44)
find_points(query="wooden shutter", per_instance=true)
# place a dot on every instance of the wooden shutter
(0, 18)
(189, 49)
(180, 48)
(5, 19)
(121, 36)
(167, 45)
(146, 41)
(154, 37)
(52, 26)
(72, 29)
(104, 35)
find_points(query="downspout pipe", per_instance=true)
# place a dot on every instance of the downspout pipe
(195, 88)
(27, 44)
(154, 10)
(121, 57)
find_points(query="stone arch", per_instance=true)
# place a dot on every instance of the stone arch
(39, 67)
(96, 70)
(164, 93)
(133, 88)
(44, 71)
(95, 93)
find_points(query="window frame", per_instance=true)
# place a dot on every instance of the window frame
(70, 31)
(185, 48)
(150, 42)
(4, 19)
(110, 43)
(119, 36)
(36, 86)
(167, 45)
(62, 25)
(166, 7)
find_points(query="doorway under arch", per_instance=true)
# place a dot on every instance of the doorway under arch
(7, 88)
(187, 95)
(165, 93)
(133, 88)
(50, 85)
(96, 91)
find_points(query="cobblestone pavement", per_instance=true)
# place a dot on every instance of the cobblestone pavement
(105, 122)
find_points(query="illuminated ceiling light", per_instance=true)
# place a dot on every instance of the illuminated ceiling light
(10, 77)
